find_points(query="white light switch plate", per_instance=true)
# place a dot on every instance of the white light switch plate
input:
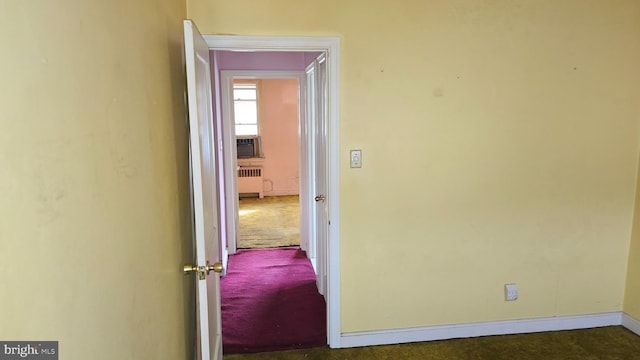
(356, 158)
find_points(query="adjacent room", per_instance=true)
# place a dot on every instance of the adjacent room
(268, 161)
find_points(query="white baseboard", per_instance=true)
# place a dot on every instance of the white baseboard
(631, 323)
(441, 332)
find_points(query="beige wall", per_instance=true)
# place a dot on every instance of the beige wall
(94, 216)
(500, 144)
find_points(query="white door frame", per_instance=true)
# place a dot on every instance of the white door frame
(231, 177)
(331, 46)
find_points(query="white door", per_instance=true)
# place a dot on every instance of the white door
(320, 172)
(307, 149)
(308, 191)
(203, 178)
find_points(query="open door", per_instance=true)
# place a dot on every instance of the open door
(317, 113)
(203, 179)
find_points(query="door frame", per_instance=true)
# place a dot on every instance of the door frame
(331, 47)
(226, 105)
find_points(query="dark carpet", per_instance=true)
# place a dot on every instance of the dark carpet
(607, 343)
(270, 302)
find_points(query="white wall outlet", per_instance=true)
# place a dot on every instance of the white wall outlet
(356, 158)
(510, 292)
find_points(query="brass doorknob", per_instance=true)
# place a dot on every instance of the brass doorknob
(203, 271)
(217, 267)
(188, 269)
(319, 198)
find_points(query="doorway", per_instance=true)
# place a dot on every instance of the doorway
(268, 109)
(331, 46)
(263, 111)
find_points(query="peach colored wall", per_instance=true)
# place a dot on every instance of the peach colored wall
(279, 130)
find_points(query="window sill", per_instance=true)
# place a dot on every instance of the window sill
(251, 161)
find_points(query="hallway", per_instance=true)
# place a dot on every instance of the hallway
(269, 296)
(270, 302)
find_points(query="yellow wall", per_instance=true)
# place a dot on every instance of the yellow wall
(94, 209)
(500, 144)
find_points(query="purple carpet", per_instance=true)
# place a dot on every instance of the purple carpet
(270, 302)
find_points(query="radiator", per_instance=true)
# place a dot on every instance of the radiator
(250, 181)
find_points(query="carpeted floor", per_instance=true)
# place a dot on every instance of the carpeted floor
(269, 222)
(270, 302)
(607, 343)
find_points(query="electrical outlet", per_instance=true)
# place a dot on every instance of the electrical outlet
(510, 292)
(356, 158)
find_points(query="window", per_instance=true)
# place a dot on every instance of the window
(245, 108)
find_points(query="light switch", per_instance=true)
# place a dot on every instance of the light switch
(356, 158)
